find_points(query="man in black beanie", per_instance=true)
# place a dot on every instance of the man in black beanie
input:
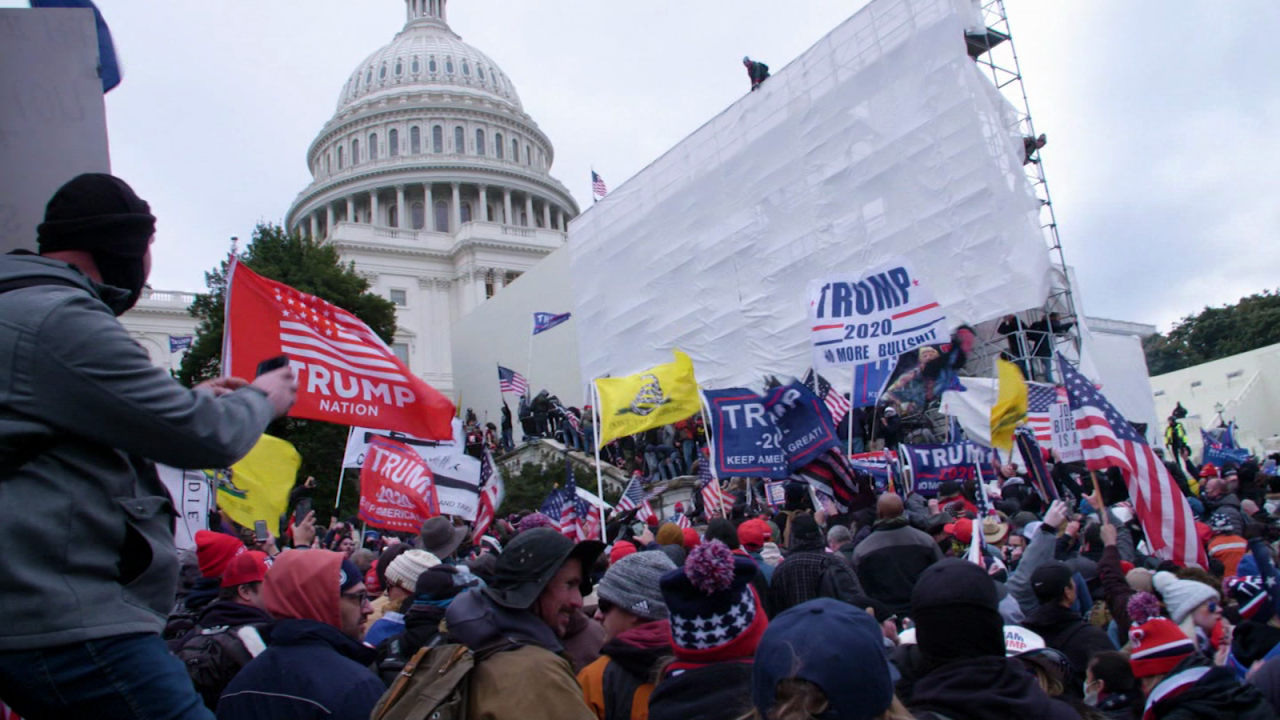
(90, 569)
(964, 674)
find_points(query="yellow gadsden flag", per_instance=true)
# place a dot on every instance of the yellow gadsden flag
(260, 484)
(659, 396)
(1010, 409)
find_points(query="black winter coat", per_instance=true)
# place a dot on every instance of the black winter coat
(1064, 631)
(715, 692)
(988, 688)
(1216, 695)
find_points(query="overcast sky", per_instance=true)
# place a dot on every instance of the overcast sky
(1162, 158)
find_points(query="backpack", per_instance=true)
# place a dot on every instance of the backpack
(434, 685)
(214, 655)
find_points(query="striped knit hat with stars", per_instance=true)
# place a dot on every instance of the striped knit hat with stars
(715, 613)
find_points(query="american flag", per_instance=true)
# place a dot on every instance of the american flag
(1108, 440)
(1040, 402)
(598, 188)
(1037, 470)
(510, 381)
(491, 492)
(715, 500)
(837, 404)
(682, 521)
(632, 496)
(832, 474)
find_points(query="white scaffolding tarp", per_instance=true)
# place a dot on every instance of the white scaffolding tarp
(883, 139)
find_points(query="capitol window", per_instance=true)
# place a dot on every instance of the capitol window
(399, 297)
(437, 139)
(466, 68)
(401, 351)
(459, 140)
(480, 71)
(399, 67)
(528, 156)
(431, 63)
(497, 144)
(515, 150)
(382, 72)
(340, 159)
(415, 67)
(466, 212)
(415, 140)
(393, 142)
(419, 218)
(373, 146)
(355, 152)
(368, 78)
(442, 216)
(448, 65)
(480, 142)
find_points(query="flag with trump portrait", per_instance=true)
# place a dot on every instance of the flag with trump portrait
(346, 373)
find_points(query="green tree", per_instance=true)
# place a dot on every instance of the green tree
(1215, 333)
(312, 268)
(527, 489)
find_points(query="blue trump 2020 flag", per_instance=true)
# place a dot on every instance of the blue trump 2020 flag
(108, 65)
(545, 321)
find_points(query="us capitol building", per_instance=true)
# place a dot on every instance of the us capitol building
(430, 178)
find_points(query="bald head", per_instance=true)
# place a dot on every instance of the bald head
(1216, 488)
(889, 506)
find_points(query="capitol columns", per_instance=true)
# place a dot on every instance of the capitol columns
(401, 216)
(528, 210)
(373, 206)
(315, 222)
(456, 208)
(560, 220)
(546, 214)
(428, 209)
(484, 204)
(328, 227)
(351, 208)
(506, 205)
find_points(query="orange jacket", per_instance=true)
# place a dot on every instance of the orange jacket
(1228, 549)
(592, 681)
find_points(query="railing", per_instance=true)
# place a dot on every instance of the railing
(169, 296)
(469, 231)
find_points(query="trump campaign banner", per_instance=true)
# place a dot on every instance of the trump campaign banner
(807, 430)
(932, 465)
(397, 489)
(457, 475)
(747, 440)
(361, 438)
(346, 373)
(860, 319)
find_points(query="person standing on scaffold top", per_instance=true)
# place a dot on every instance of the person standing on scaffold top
(757, 71)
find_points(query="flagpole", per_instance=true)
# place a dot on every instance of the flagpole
(711, 451)
(338, 497)
(595, 396)
(853, 380)
(529, 366)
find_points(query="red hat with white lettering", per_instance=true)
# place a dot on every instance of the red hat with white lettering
(248, 567)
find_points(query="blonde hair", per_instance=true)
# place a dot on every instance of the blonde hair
(802, 700)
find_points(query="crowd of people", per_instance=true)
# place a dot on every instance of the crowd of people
(995, 602)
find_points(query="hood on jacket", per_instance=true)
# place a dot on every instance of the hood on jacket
(26, 265)
(478, 622)
(986, 687)
(1251, 641)
(304, 585)
(640, 649)
(311, 632)
(225, 613)
(202, 594)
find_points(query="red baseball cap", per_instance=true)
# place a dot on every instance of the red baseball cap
(962, 529)
(751, 534)
(249, 566)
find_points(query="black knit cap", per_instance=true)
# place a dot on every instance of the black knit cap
(955, 607)
(97, 213)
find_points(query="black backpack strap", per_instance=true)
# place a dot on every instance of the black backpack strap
(619, 688)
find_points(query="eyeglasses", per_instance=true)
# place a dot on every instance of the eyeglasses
(1213, 606)
(360, 598)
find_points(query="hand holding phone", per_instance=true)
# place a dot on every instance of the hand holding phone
(304, 507)
(270, 364)
(260, 531)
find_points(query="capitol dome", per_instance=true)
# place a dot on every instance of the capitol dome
(434, 182)
(427, 54)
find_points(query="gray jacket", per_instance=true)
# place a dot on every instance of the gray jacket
(86, 525)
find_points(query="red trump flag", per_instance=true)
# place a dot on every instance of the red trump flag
(346, 374)
(397, 489)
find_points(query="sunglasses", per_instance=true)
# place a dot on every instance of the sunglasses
(1213, 606)
(361, 597)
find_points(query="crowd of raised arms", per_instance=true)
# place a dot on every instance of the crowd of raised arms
(909, 607)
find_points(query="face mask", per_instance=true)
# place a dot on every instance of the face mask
(1090, 698)
(126, 273)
